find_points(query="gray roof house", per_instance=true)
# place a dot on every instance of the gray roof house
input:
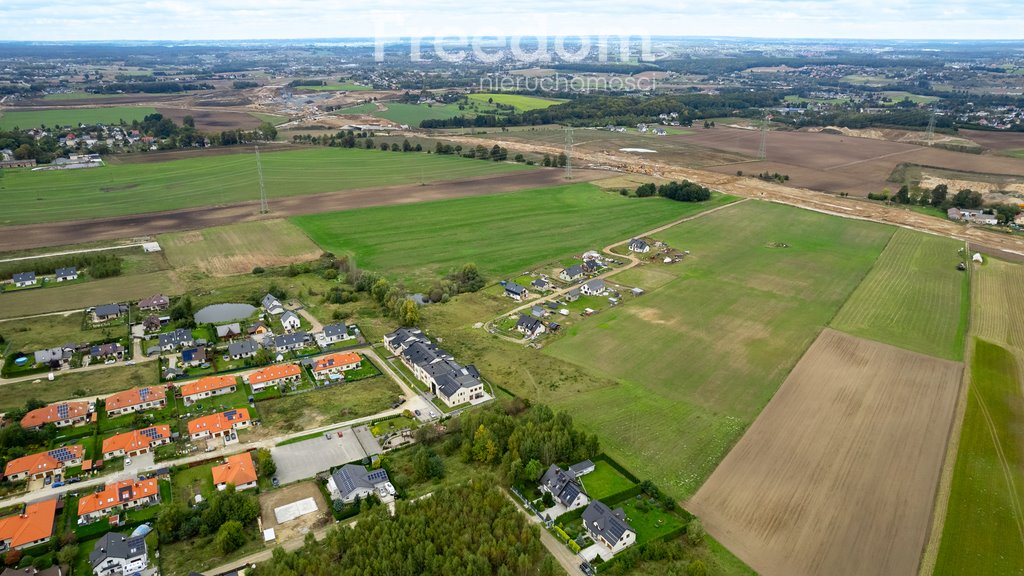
(68, 273)
(582, 468)
(564, 487)
(515, 291)
(272, 305)
(608, 527)
(51, 356)
(529, 326)
(353, 481)
(179, 338)
(104, 350)
(290, 320)
(574, 272)
(242, 348)
(119, 554)
(336, 333)
(229, 330)
(539, 283)
(638, 245)
(286, 342)
(110, 311)
(572, 295)
(451, 382)
(24, 278)
(595, 287)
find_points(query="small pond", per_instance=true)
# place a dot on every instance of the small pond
(216, 313)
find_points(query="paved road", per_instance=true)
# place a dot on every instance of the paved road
(569, 561)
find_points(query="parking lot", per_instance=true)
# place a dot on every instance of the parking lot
(307, 458)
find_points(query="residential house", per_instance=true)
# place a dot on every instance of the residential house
(110, 350)
(53, 357)
(608, 527)
(564, 487)
(334, 333)
(136, 400)
(333, 366)
(287, 342)
(638, 245)
(61, 415)
(43, 464)
(572, 273)
(290, 321)
(22, 279)
(453, 383)
(109, 312)
(54, 570)
(595, 287)
(158, 302)
(229, 331)
(515, 291)
(180, 338)
(274, 375)
(119, 555)
(538, 312)
(136, 442)
(582, 468)
(242, 349)
(978, 216)
(353, 481)
(124, 495)
(152, 323)
(572, 295)
(258, 328)
(540, 284)
(194, 356)
(219, 424)
(32, 527)
(68, 273)
(592, 265)
(529, 326)
(272, 305)
(239, 471)
(192, 392)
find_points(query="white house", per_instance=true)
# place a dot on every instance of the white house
(608, 527)
(529, 326)
(595, 287)
(638, 245)
(516, 291)
(353, 481)
(119, 555)
(572, 273)
(564, 487)
(290, 321)
(22, 279)
(68, 273)
(272, 305)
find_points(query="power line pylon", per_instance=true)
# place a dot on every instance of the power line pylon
(264, 208)
(568, 153)
(762, 152)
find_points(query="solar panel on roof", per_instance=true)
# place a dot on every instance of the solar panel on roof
(143, 394)
(377, 476)
(150, 433)
(230, 414)
(62, 411)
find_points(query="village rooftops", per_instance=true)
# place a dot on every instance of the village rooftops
(116, 546)
(602, 521)
(177, 338)
(207, 384)
(219, 422)
(336, 361)
(116, 494)
(157, 302)
(35, 524)
(43, 462)
(67, 272)
(242, 348)
(239, 470)
(134, 397)
(274, 372)
(136, 439)
(55, 413)
(23, 277)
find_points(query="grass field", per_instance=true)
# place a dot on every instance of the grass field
(274, 119)
(800, 99)
(521, 103)
(32, 334)
(26, 119)
(984, 528)
(735, 319)
(332, 404)
(368, 108)
(604, 481)
(413, 114)
(219, 179)
(238, 248)
(1015, 153)
(898, 96)
(419, 241)
(914, 297)
(77, 384)
(92, 293)
(338, 87)
(79, 96)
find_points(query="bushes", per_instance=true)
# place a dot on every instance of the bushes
(98, 264)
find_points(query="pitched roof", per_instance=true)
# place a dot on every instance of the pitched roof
(513, 288)
(335, 360)
(595, 285)
(274, 372)
(136, 439)
(290, 339)
(239, 470)
(55, 413)
(24, 277)
(334, 330)
(574, 270)
(65, 272)
(176, 338)
(352, 476)
(117, 493)
(207, 384)
(562, 484)
(225, 330)
(135, 396)
(43, 461)
(241, 347)
(35, 524)
(218, 422)
(605, 522)
(157, 301)
(270, 301)
(114, 545)
(528, 323)
(108, 309)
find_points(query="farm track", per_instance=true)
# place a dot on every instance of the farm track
(28, 236)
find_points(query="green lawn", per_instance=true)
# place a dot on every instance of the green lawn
(604, 481)
(331, 404)
(74, 384)
(502, 233)
(185, 484)
(1016, 153)
(914, 297)
(116, 190)
(368, 108)
(521, 103)
(697, 358)
(983, 531)
(26, 119)
(650, 523)
(413, 114)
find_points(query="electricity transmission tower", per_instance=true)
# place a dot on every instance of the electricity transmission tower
(568, 153)
(930, 135)
(264, 209)
(762, 152)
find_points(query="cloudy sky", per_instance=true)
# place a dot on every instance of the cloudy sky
(235, 19)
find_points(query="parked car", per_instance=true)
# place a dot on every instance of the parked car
(57, 484)
(130, 363)
(417, 412)
(127, 462)
(275, 481)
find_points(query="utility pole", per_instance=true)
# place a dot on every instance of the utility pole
(762, 152)
(931, 128)
(264, 209)
(568, 153)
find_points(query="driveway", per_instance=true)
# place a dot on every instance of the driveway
(308, 458)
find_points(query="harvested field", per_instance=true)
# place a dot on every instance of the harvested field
(213, 120)
(298, 527)
(92, 293)
(837, 163)
(897, 303)
(238, 248)
(996, 314)
(838, 474)
(996, 141)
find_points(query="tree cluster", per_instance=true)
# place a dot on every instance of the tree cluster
(224, 515)
(98, 264)
(684, 191)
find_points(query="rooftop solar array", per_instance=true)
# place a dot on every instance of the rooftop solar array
(377, 476)
(62, 454)
(62, 411)
(231, 414)
(151, 433)
(144, 394)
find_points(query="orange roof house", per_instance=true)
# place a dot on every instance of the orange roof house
(219, 423)
(208, 386)
(128, 493)
(43, 463)
(275, 372)
(239, 471)
(32, 527)
(136, 441)
(136, 399)
(61, 414)
(337, 361)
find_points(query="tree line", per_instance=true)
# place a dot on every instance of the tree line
(684, 191)
(98, 264)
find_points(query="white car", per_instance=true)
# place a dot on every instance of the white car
(127, 462)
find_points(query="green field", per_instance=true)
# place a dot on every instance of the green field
(604, 481)
(521, 103)
(914, 297)
(1016, 153)
(898, 96)
(697, 358)
(342, 86)
(238, 248)
(274, 119)
(77, 296)
(502, 233)
(79, 96)
(26, 119)
(336, 403)
(220, 179)
(984, 529)
(76, 384)
(413, 114)
(800, 99)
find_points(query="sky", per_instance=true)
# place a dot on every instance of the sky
(80, 20)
